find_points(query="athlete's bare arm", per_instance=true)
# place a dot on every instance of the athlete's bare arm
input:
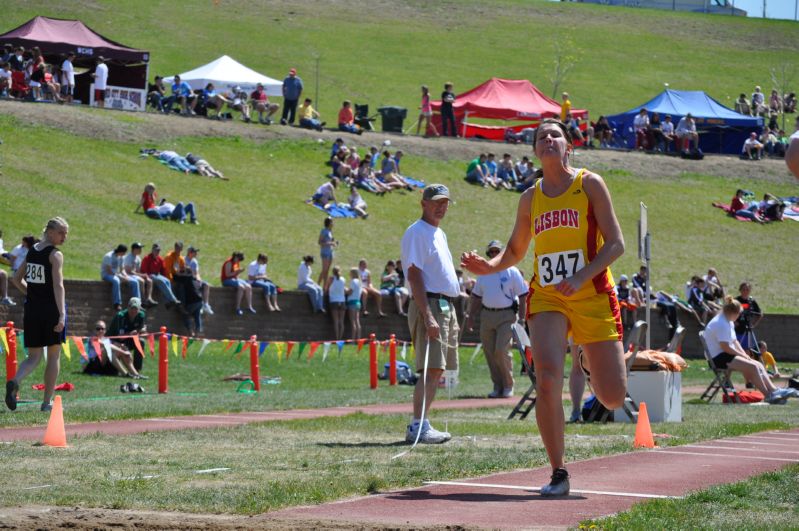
(515, 251)
(19, 278)
(57, 263)
(608, 225)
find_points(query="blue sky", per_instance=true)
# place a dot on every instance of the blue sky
(774, 8)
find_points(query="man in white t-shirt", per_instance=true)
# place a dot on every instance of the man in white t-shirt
(431, 314)
(202, 285)
(753, 149)
(686, 130)
(727, 353)
(792, 155)
(68, 77)
(100, 81)
(502, 297)
(131, 265)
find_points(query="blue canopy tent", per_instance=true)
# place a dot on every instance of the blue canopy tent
(721, 129)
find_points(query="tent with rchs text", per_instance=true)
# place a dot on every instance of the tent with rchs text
(226, 73)
(513, 100)
(127, 67)
(721, 129)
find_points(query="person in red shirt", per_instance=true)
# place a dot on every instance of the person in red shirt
(231, 270)
(153, 266)
(346, 119)
(739, 208)
(260, 102)
(147, 202)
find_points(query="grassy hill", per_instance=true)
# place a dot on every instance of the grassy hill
(380, 51)
(96, 184)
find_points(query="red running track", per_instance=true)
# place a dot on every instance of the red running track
(508, 501)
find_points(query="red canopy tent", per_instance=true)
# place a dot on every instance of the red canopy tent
(127, 67)
(502, 99)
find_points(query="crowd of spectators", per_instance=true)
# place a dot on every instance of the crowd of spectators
(486, 171)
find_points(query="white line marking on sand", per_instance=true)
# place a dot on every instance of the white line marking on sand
(740, 449)
(536, 489)
(727, 456)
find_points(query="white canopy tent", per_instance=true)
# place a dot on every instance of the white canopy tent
(226, 73)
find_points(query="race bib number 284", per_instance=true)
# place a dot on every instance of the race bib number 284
(34, 274)
(555, 267)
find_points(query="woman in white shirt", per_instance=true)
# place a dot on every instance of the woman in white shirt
(256, 274)
(336, 292)
(306, 283)
(18, 253)
(727, 353)
(354, 302)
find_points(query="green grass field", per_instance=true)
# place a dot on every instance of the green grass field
(380, 52)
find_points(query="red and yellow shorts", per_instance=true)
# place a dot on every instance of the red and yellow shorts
(591, 320)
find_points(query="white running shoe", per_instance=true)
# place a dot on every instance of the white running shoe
(429, 435)
(207, 309)
(6, 301)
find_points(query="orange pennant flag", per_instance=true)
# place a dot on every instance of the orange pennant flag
(361, 343)
(228, 343)
(97, 348)
(289, 346)
(314, 347)
(185, 346)
(151, 344)
(138, 344)
(81, 348)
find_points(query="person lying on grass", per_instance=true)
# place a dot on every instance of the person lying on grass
(203, 167)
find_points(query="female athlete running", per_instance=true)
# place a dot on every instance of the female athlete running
(569, 215)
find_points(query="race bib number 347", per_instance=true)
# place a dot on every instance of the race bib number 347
(555, 267)
(34, 274)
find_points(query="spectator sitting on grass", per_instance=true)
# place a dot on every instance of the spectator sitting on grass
(771, 208)
(390, 173)
(366, 178)
(368, 289)
(231, 270)
(341, 169)
(152, 265)
(325, 195)
(357, 204)
(309, 118)
(374, 156)
(505, 170)
(491, 170)
(305, 283)
(789, 103)
(752, 148)
(767, 358)
(604, 132)
(758, 102)
(573, 125)
(742, 105)
(156, 93)
(111, 271)
(113, 360)
(354, 294)
(261, 105)
(194, 266)
(130, 322)
(202, 167)
(165, 210)
(353, 160)
(775, 102)
(256, 275)
(476, 171)
(740, 209)
(336, 290)
(346, 119)
(389, 286)
(131, 265)
(337, 145)
(524, 168)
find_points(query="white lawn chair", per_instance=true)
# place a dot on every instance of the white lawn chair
(675, 345)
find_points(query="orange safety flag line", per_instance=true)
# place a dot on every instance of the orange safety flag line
(151, 344)
(314, 347)
(289, 347)
(97, 350)
(138, 344)
(185, 347)
(361, 343)
(81, 348)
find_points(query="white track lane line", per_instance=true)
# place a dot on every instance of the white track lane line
(727, 456)
(766, 438)
(741, 449)
(536, 489)
(756, 443)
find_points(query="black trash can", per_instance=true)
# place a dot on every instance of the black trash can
(392, 118)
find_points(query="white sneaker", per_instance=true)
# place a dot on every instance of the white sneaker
(6, 301)
(429, 435)
(778, 396)
(207, 309)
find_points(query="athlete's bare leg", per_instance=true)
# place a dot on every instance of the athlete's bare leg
(576, 383)
(605, 363)
(548, 331)
(51, 372)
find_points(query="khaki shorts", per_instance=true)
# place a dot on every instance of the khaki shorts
(444, 350)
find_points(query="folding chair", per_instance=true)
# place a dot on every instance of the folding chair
(527, 402)
(363, 119)
(629, 406)
(675, 345)
(721, 378)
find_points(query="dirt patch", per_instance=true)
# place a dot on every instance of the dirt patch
(148, 128)
(59, 518)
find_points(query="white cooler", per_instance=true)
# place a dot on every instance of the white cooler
(662, 392)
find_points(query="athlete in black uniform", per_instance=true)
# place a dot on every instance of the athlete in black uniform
(41, 279)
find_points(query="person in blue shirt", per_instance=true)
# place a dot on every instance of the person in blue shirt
(213, 100)
(183, 94)
(292, 90)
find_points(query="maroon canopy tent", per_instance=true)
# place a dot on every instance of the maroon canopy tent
(502, 99)
(127, 67)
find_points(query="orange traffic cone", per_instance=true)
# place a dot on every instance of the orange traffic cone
(55, 435)
(643, 431)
